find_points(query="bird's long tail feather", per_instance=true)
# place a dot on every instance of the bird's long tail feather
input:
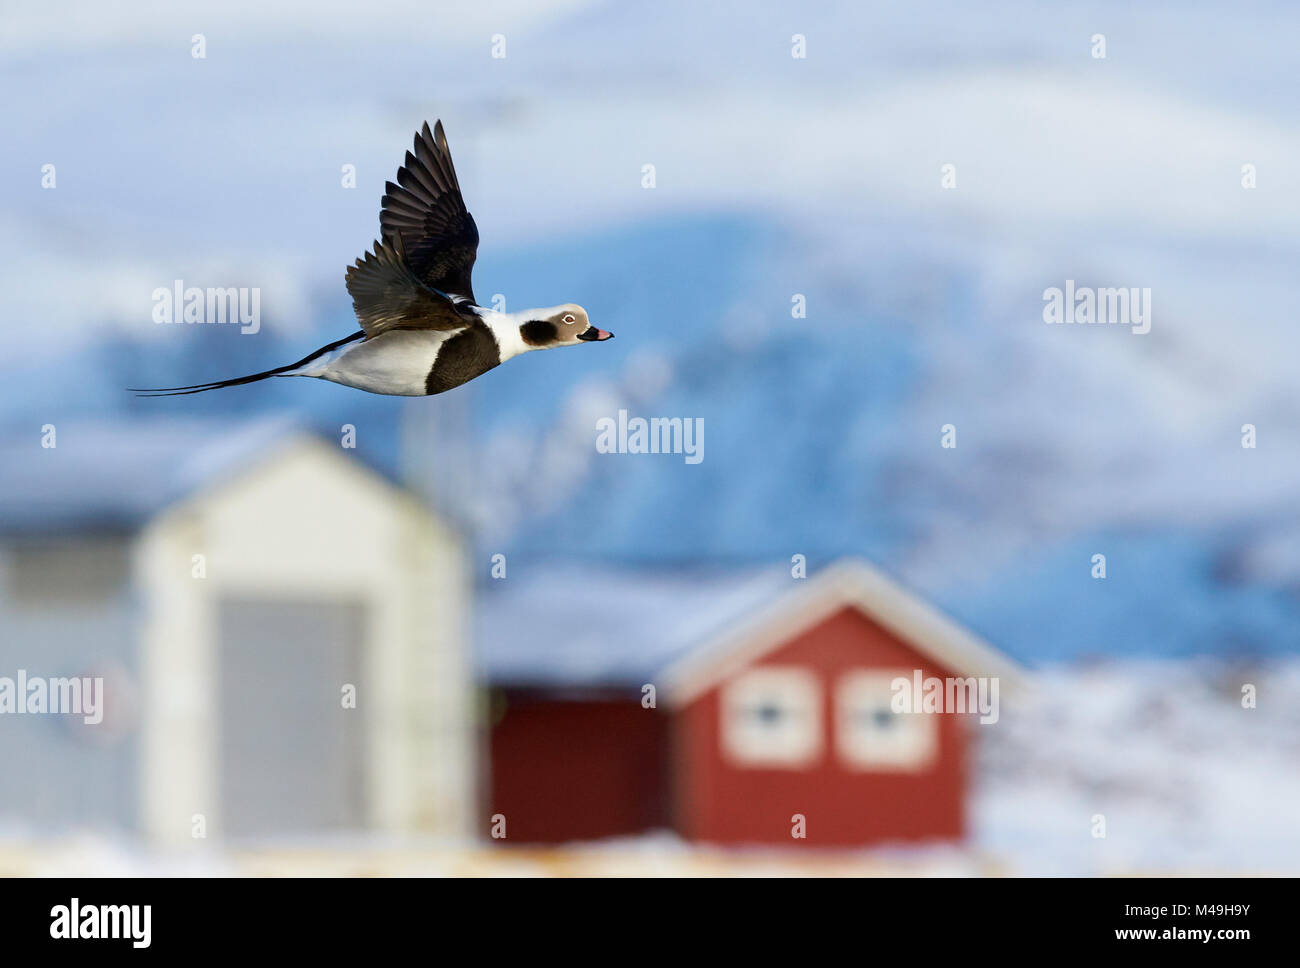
(239, 380)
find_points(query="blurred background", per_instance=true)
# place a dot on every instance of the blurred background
(344, 633)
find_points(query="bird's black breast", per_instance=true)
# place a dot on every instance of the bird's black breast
(469, 353)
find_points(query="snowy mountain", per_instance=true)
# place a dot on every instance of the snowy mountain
(776, 178)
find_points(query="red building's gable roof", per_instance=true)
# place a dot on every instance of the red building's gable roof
(848, 583)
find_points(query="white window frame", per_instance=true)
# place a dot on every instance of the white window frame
(910, 743)
(794, 743)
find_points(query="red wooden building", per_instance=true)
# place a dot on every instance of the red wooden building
(777, 720)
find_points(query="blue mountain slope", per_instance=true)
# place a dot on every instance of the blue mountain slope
(1165, 594)
(788, 439)
(821, 437)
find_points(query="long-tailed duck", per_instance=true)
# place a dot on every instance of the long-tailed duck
(421, 330)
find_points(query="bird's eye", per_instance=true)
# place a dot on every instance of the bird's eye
(568, 317)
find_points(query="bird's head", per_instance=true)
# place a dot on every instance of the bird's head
(564, 325)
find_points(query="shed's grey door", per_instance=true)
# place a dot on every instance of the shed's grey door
(292, 757)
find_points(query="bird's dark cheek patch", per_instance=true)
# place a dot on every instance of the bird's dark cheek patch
(538, 332)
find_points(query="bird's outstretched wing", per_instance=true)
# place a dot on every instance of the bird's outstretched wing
(425, 210)
(386, 295)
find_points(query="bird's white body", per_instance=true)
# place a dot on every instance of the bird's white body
(399, 362)
(396, 363)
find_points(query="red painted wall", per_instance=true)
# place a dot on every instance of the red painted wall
(722, 803)
(577, 768)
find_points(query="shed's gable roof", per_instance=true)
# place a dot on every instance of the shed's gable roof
(561, 625)
(113, 477)
(847, 583)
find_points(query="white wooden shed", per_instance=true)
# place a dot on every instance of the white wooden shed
(293, 635)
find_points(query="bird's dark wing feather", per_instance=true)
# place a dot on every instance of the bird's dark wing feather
(386, 295)
(426, 210)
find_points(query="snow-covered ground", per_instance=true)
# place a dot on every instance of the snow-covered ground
(1187, 779)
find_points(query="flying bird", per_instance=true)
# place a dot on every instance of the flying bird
(422, 331)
